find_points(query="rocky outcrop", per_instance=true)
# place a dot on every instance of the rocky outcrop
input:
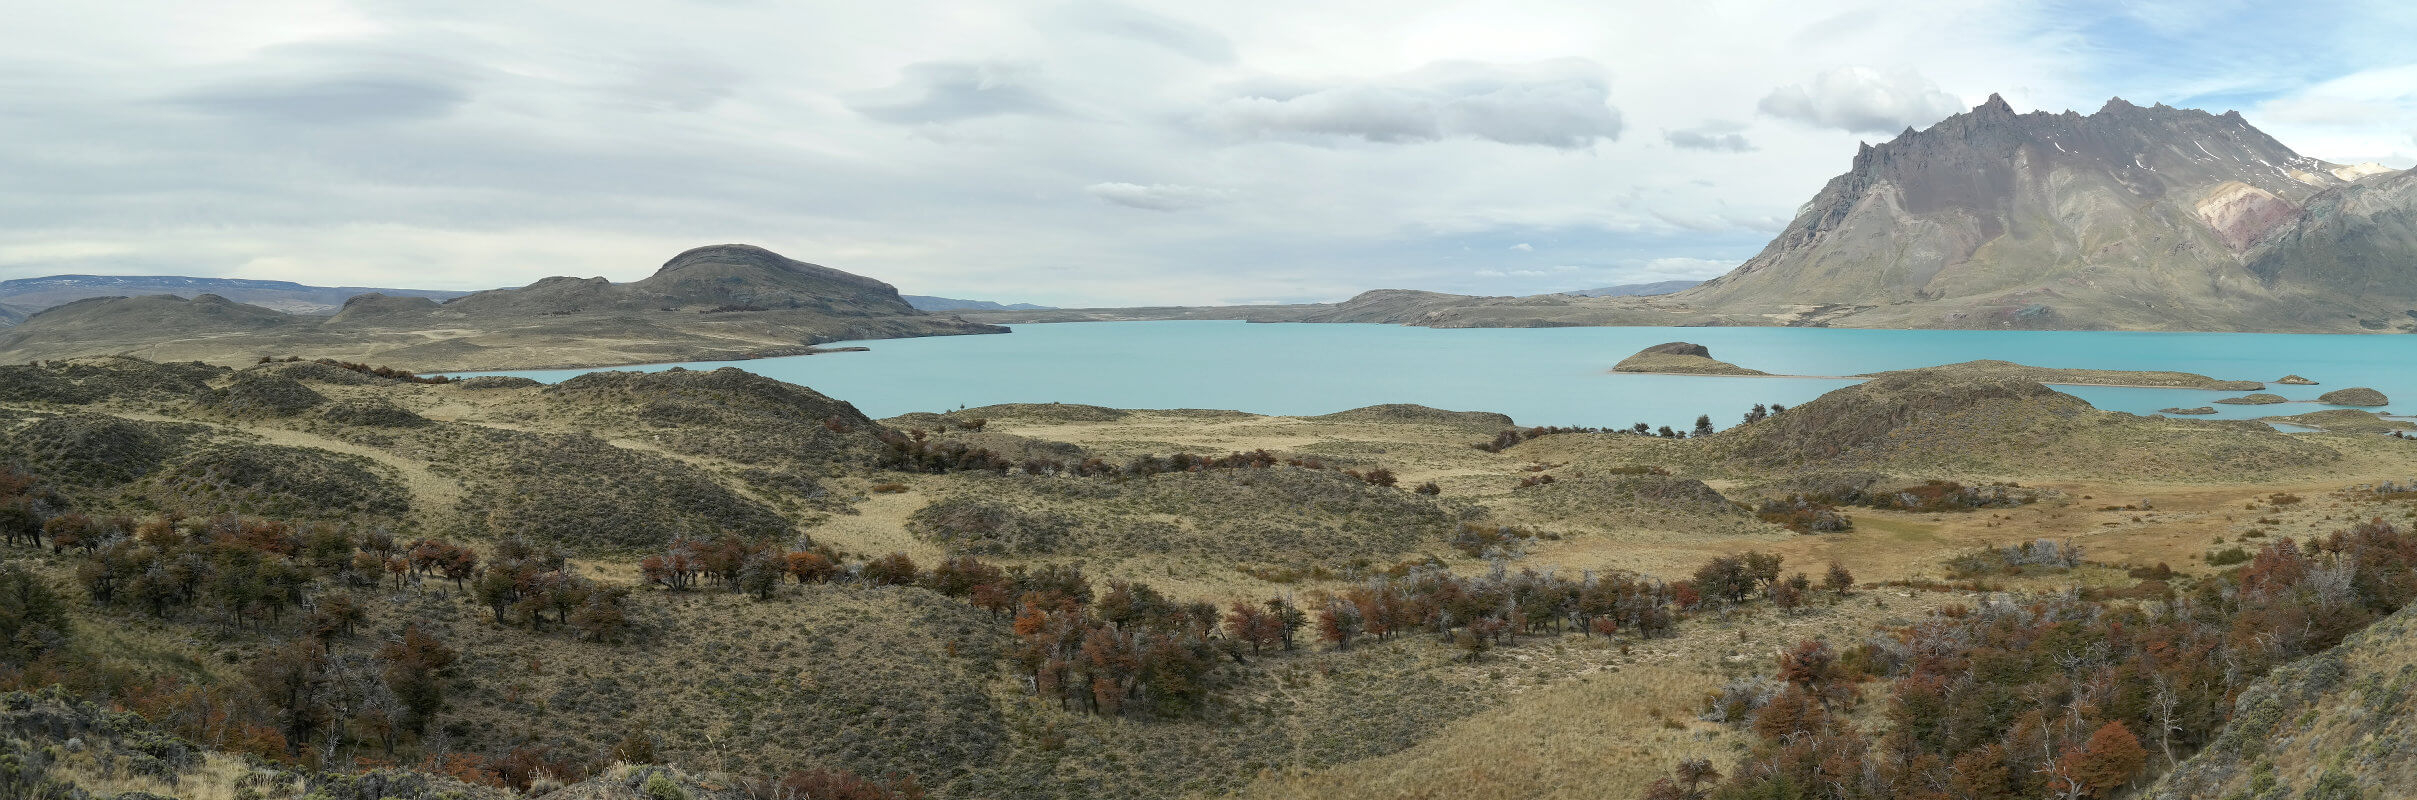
(2294, 380)
(2198, 411)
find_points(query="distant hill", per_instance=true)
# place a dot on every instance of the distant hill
(1637, 289)
(929, 303)
(24, 296)
(720, 302)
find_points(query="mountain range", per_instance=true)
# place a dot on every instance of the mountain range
(1638, 289)
(711, 303)
(930, 303)
(2128, 218)
(22, 297)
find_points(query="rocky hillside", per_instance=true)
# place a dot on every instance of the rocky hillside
(2130, 217)
(711, 303)
(2334, 725)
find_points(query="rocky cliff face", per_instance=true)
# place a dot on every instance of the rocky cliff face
(2129, 217)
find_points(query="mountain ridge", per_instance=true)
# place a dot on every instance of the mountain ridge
(719, 302)
(25, 296)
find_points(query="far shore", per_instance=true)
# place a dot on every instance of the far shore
(1868, 377)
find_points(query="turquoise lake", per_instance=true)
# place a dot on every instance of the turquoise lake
(1539, 376)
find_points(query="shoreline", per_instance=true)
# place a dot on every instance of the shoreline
(1868, 377)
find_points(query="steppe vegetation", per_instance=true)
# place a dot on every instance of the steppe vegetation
(305, 573)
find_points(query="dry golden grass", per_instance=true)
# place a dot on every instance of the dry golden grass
(221, 777)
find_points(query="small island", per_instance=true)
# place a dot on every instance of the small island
(2259, 399)
(2347, 420)
(2294, 380)
(2200, 411)
(2151, 379)
(1680, 358)
(2354, 396)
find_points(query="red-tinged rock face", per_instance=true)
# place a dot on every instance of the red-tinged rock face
(2242, 214)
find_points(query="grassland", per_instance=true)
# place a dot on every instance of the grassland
(892, 680)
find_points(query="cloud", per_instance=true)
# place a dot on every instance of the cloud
(1524, 247)
(950, 91)
(2370, 115)
(1562, 103)
(1715, 135)
(1862, 100)
(1154, 197)
(1127, 22)
(330, 101)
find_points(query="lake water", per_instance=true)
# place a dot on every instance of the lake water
(1539, 376)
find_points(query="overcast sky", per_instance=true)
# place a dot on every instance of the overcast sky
(1067, 153)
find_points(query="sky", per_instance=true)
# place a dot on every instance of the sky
(1067, 152)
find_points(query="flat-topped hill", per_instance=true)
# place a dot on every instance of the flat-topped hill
(1681, 358)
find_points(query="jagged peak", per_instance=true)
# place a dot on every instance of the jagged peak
(2116, 104)
(1996, 104)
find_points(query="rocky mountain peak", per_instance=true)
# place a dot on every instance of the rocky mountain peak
(2020, 214)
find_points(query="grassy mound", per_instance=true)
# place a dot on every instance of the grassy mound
(1279, 515)
(259, 393)
(1628, 500)
(90, 380)
(1043, 412)
(371, 413)
(1923, 422)
(496, 382)
(95, 451)
(267, 480)
(727, 413)
(1409, 414)
(582, 493)
(314, 372)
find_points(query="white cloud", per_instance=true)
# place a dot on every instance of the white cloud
(1156, 196)
(949, 91)
(2369, 115)
(1524, 247)
(1716, 135)
(1862, 100)
(1562, 103)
